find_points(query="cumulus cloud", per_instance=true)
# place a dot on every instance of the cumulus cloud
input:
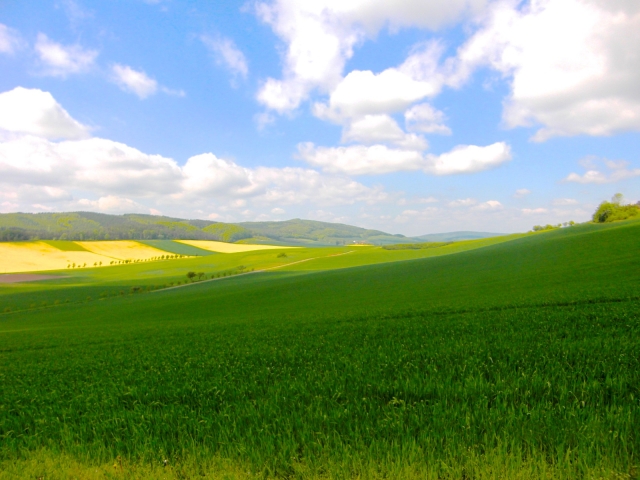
(134, 81)
(101, 166)
(522, 192)
(113, 204)
(62, 60)
(227, 54)
(209, 175)
(617, 171)
(320, 36)
(380, 159)
(111, 176)
(35, 112)
(360, 159)
(579, 77)
(469, 159)
(363, 92)
(371, 129)
(10, 40)
(426, 119)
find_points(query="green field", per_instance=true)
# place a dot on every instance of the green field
(65, 245)
(507, 357)
(177, 247)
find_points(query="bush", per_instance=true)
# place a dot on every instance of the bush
(614, 211)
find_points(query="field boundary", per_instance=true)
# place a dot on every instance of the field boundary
(247, 273)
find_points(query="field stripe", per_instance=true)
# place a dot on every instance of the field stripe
(248, 273)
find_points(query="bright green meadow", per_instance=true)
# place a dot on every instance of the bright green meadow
(506, 357)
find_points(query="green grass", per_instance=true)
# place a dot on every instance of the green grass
(517, 360)
(416, 246)
(65, 246)
(177, 247)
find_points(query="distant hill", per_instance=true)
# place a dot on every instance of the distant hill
(100, 226)
(457, 236)
(311, 232)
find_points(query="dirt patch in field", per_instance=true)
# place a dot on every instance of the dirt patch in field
(26, 277)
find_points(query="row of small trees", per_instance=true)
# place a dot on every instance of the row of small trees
(120, 262)
(541, 228)
(191, 276)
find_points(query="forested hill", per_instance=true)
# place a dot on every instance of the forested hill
(99, 226)
(310, 232)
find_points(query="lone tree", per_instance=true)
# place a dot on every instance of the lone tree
(200, 275)
(191, 275)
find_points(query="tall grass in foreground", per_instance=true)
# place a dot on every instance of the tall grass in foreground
(555, 388)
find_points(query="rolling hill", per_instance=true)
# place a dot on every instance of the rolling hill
(520, 359)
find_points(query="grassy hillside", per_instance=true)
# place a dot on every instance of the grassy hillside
(456, 236)
(520, 359)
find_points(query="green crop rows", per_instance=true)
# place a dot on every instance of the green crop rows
(517, 360)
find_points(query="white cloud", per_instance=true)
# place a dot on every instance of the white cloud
(209, 175)
(380, 159)
(35, 112)
(469, 159)
(565, 201)
(134, 81)
(489, 205)
(277, 211)
(113, 204)
(227, 54)
(110, 176)
(534, 211)
(360, 159)
(426, 119)
(371, 129)
(522, 192)
(100, 166)
(617, 171)
(320, 37)
(579, 76)
(62, 60)
(363, 92)
(463, 202)
(10, 40)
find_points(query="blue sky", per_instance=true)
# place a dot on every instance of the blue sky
(411, 117)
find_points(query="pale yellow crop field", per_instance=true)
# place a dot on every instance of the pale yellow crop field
(222, 247)
(37, 256)
(123, 249)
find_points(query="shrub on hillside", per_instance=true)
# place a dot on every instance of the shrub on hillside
(614, 210)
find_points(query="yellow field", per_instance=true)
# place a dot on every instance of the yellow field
(123, 250)
(37, 256)
(222, 247)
